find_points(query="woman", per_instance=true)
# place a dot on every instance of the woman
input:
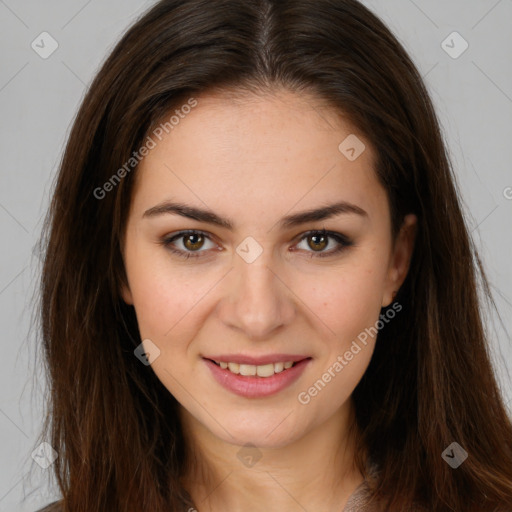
(259, 290)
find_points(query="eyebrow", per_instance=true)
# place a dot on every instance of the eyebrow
(296, 219)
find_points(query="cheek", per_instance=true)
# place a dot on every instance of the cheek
(165, 306)
(347, 304)
(162, 296)
(347, 299)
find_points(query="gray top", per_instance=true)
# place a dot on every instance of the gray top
(358, 500)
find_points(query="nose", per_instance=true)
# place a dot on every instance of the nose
(257, 301)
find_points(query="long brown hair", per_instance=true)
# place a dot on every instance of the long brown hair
(430, 381)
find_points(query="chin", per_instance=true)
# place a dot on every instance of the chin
(263, 434)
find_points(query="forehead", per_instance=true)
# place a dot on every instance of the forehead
(248, 149)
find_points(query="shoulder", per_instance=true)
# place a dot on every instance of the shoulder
(56, 506)
(360, 501)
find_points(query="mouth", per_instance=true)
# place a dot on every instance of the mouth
(257, 380)
(251, 370)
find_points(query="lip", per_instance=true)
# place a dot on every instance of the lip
(257, 361)
(253, 386)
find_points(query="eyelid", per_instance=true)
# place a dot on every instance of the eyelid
(343, 242)
(169, 239)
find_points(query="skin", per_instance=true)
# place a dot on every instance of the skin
(254, 160)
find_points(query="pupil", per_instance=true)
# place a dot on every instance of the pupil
(190, 240)
(315, 237)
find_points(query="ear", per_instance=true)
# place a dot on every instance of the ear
(126, 294)
(401, 258)
(124, 287)
(125, 291)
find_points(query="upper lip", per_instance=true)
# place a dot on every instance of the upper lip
(257, 360)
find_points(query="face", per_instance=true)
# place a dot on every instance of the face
(226, 262)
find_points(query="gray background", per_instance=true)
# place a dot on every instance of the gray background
(39, 98)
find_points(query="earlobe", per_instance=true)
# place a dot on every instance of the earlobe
(126, 294)
(401, 259)
(124, 288)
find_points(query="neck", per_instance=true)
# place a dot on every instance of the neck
(316, 472)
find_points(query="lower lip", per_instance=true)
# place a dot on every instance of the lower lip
(253, 386)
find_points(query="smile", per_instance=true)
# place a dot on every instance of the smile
(256, 381)
(250, 370)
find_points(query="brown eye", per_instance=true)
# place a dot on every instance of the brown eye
(193, 241)
(319, 242)
(188, 244)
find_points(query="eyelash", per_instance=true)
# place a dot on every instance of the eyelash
(342, 240)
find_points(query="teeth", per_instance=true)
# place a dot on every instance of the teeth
(234, 367)
(278, 367)
(264, 370)
(247, 369)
